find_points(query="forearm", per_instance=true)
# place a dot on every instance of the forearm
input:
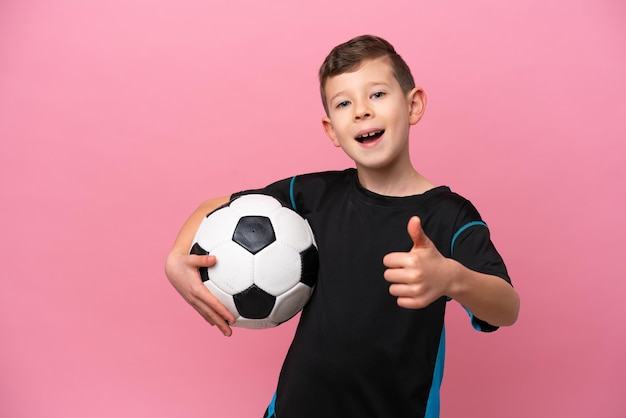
(189, 228)
(488, 297)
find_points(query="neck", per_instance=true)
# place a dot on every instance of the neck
(395, 182)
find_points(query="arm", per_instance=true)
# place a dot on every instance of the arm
(423, 275)
(488, 297)
(182, 270)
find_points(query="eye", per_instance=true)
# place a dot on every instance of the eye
(377, 95)
(342, 104)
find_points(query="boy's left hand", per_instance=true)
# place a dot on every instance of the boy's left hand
(420, 276)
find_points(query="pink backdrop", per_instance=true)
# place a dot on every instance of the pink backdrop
(118, 117)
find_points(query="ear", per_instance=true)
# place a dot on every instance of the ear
(416, 100)
(329, 129)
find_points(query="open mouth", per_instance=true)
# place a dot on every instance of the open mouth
(369, 137)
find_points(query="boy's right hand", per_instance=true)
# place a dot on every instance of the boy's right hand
(182, 272)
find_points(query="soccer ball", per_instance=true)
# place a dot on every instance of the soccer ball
(267, 260)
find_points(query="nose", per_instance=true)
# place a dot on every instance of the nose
(362, 110)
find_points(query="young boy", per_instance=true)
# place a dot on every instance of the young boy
(393, 249)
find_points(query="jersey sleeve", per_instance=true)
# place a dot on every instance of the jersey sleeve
(281, 190)
(471, 246)
(303, 193)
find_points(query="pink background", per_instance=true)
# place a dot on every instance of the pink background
(118, 117)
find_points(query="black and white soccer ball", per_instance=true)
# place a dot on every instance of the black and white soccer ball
(267, 260)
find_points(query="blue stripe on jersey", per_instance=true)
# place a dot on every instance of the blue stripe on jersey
(291, 195)
(270, 408)
(460, 231)
(432, 406)
(475, 324)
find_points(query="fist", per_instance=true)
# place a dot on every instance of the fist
(417, 277)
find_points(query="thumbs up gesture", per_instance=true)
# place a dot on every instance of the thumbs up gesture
(420, 276)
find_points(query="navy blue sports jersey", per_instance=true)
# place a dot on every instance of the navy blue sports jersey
(356, 353)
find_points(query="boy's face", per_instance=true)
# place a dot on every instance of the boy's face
(369, 115)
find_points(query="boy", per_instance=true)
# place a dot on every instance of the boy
(393, 248)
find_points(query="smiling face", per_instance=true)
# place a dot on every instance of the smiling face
(369, 115)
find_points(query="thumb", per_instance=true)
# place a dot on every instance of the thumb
(417, 234)
(200, 260)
